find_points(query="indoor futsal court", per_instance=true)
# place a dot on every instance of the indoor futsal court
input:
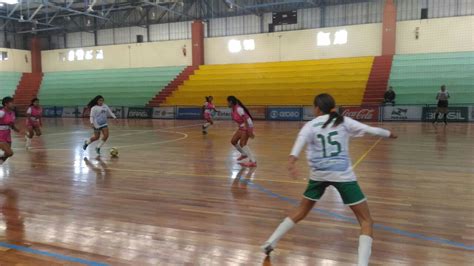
(237, 132)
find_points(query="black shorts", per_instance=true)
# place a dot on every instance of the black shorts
(443, 104)
(100, 128)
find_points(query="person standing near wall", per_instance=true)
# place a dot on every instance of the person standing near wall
(389, 96)
(442, 97)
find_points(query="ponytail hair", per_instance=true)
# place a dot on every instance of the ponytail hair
(33, 101)
(94, 101)
(208, 98)
(327, 105)
(7, 100)
(234, 101)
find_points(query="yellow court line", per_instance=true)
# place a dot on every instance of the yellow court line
(361, 158)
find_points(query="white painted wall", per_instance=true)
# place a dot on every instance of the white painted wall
(363, 40)
(18, 61)
(436, 35)
(155, 54)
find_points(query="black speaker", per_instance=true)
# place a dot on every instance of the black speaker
(271, 27)
(424, 13)
(139, 38)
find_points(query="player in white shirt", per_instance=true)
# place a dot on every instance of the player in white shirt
(327, 140)
(98, 118)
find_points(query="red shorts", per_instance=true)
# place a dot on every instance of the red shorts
(208, 117)
(32, 124)
(6, 136)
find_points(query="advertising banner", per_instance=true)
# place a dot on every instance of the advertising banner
(471, 113)
(119, 111)
(223, 114)
(285, 113)
(361, 113)
(402, 113)
(258, 112)
(50, 111)
(455, 114)
(164, 112)
(308, 113)
(139, 112)
(70, 112)
(189, 113)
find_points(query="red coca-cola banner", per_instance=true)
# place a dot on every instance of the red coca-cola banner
(361, 113)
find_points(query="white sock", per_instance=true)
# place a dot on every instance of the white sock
(88, 141)
(282, 229)
(249, 153)
(101, 143)
(206, 125)
(28, 141)
(237, 146)
(365, 249)
(2, 153)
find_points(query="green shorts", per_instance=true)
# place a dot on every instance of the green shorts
(350, 192)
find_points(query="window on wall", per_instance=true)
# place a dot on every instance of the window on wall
(81, 55)
(236, 46)
(324, 38)
(3, 56)
(340, 37)
(99, 54)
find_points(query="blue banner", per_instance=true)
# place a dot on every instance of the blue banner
(189, 113)
(52, 111)
(285, 113)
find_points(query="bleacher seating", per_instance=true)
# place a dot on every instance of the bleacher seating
(417, 78)
(8, 83)
(277, 83)
(120, 87)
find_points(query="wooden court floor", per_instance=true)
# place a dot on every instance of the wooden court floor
(176, 197)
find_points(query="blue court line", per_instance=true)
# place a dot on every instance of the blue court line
(52, 255)
(434, 239)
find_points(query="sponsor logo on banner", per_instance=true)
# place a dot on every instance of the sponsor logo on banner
(49, 111)
(119, 111)
(189, 113)
(225, 113)
(136, 112)
(455, 114)
(258, 112)
(472, 113)
(70, 112)
(308, 113)
(164, 112)
(285, 113)
(361, 113)
(402, 113)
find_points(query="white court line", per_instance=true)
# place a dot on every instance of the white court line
(133, 145)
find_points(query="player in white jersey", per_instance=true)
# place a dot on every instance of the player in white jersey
(327, 140)
(98, 119)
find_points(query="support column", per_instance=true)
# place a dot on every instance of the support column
(197, 39)
(389, 30)
(36, 55)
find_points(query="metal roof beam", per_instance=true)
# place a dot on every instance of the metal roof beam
(75, 11)
(168, 9)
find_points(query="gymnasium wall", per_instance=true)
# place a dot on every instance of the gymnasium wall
(362, 40)
(18, 61)
(155, 54)
(436, 35)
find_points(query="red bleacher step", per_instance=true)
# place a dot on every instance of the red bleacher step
(378, 80)
(26, 90)
(172, 86)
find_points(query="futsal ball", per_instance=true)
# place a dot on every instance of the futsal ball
(114, 152)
